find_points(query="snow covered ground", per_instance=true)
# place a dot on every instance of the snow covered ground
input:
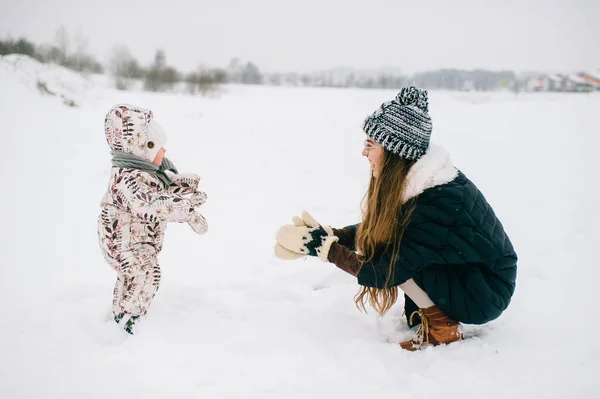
(232, 321)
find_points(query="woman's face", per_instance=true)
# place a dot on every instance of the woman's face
(374, 153)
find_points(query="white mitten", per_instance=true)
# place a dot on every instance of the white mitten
(198, 223)
(311, 239)
(198, 198)
(285, 254)
(310, 221)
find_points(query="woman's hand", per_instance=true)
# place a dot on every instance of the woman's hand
(305, 237)
(286, 254)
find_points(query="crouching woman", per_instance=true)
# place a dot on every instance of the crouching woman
(426, 231)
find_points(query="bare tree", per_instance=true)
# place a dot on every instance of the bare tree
(124, 67)
(161, 77)
(62, 43)
(251, 74)
(79, 56)
(205, 80)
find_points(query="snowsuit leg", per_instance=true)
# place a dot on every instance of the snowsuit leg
(137, 282)
(117, 295)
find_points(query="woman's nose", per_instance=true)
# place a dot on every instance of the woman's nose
(364, 152)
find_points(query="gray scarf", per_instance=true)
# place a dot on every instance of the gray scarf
(124, 160)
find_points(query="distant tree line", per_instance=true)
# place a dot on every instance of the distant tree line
(66, 51)
(159, 76)
(445, 79)
(457, 79)
(70, 52)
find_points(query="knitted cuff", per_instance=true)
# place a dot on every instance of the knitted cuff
(324, 253)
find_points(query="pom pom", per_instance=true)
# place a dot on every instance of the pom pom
(413, 96)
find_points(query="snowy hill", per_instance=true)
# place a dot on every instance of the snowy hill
(232, 321)
(45, 79)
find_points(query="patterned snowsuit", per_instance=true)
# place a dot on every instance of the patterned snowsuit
(135, 211)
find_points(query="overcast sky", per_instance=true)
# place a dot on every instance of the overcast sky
(307, 35)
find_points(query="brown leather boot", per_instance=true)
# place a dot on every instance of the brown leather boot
(436, 328)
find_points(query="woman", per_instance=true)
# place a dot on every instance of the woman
(426, 230)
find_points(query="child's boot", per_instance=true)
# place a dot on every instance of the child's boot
(436, 328)
(126, 321)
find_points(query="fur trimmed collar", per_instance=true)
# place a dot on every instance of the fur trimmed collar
(434, 168)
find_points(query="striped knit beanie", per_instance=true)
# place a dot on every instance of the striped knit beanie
(403, 125)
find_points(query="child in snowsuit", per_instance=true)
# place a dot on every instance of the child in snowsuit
(142, 196)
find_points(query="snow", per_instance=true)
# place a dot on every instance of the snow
(232, 321)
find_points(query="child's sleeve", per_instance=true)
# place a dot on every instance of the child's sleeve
(131, 192)
(184, 183)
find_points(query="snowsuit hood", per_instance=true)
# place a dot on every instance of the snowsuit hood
(133, 130)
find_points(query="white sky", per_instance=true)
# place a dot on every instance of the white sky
(307, 35)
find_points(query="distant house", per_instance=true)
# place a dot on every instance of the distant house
(565, 83)
(538, 83)
(592, 78)
(576, 83)
(556, 83)
(545, 83)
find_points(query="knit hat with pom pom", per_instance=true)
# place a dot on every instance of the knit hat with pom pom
(403, 125)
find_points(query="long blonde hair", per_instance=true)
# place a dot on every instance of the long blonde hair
(385, 217)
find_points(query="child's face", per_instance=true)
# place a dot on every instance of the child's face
(159, 156)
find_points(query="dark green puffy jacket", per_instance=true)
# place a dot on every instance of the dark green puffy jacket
(455, 248)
